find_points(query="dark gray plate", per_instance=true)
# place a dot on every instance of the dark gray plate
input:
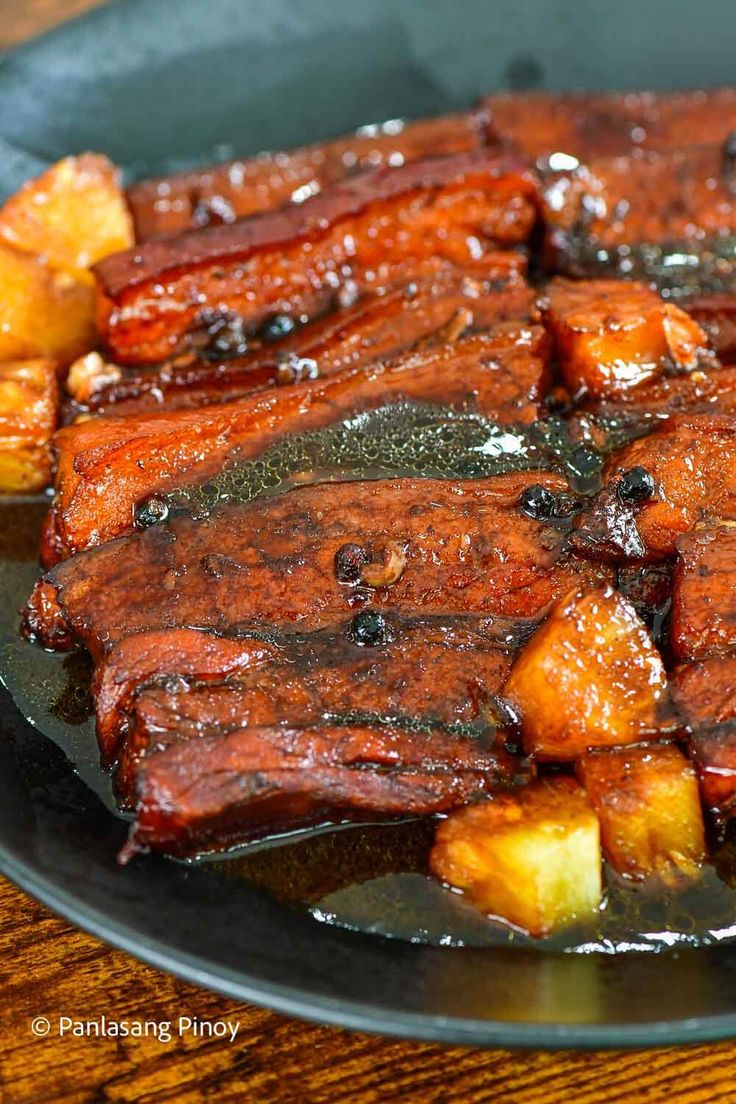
(156, 84)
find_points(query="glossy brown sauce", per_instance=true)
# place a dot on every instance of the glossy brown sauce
(370, 877)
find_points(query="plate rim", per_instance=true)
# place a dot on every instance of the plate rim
(298, 1001)
(293, 1001)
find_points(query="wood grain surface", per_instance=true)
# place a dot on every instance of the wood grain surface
(50, 969)
(47, 968)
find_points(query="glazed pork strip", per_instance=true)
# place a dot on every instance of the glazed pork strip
(167, 296)
(106, 466)
(582, 125)
(210, 793)
(699, 392)
(717, 315)
(372, 328)
(195, 658)
(705, 694)
(234, 189)
(703, 617)
(665, 218)
(431, 671)
(448, 546)
(661, 486)
(149, 658)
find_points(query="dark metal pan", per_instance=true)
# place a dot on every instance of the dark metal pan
(156, 85)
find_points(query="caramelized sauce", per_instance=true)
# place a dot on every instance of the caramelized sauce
(369, 877)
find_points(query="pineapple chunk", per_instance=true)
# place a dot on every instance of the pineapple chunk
(42, 313)
(649, 808)
(530, 857)
(71, 216)
(612, 335)
(28, 415)
(589, 677)
(23, 468)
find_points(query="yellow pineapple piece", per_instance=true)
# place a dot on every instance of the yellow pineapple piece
(28, 415)
(42, 313)
(648, 804)
(71, 216)
(531, 857)
(589, 677)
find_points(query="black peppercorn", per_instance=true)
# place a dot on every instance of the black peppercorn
(369, 629)
(150, 511)
(350, 560)
(636, 485)
(537, 502)
(278, 326)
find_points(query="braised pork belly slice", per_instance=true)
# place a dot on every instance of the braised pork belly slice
(224, 192)
(425, 671)
(424, 546)
(108, 465)
(703, 621)
(712, 391)
(148, 658)
(376, 327)
(373, 232)
(224, 788)
(611, 336)
(580, 125)
(661, 486)
(666, 218)
(716, 314)
(705, 695)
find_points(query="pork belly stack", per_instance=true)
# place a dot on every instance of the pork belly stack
(437, 671)
(107, 466)
(634, 185)
(449, 546)
(372, 232)
(375, 327)
(226, 787)
(355, 643)
(668, 218)
(582, 125)
(229, 191)
(684, 471)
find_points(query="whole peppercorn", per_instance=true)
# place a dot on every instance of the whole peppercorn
(277, 326)
(150, 511)
(537, 502)
(369, 629)
(636, 485)
(350, 560)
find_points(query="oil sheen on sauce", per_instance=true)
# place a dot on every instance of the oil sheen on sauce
(369, 877)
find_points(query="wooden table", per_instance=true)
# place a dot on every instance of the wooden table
(47, 968)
